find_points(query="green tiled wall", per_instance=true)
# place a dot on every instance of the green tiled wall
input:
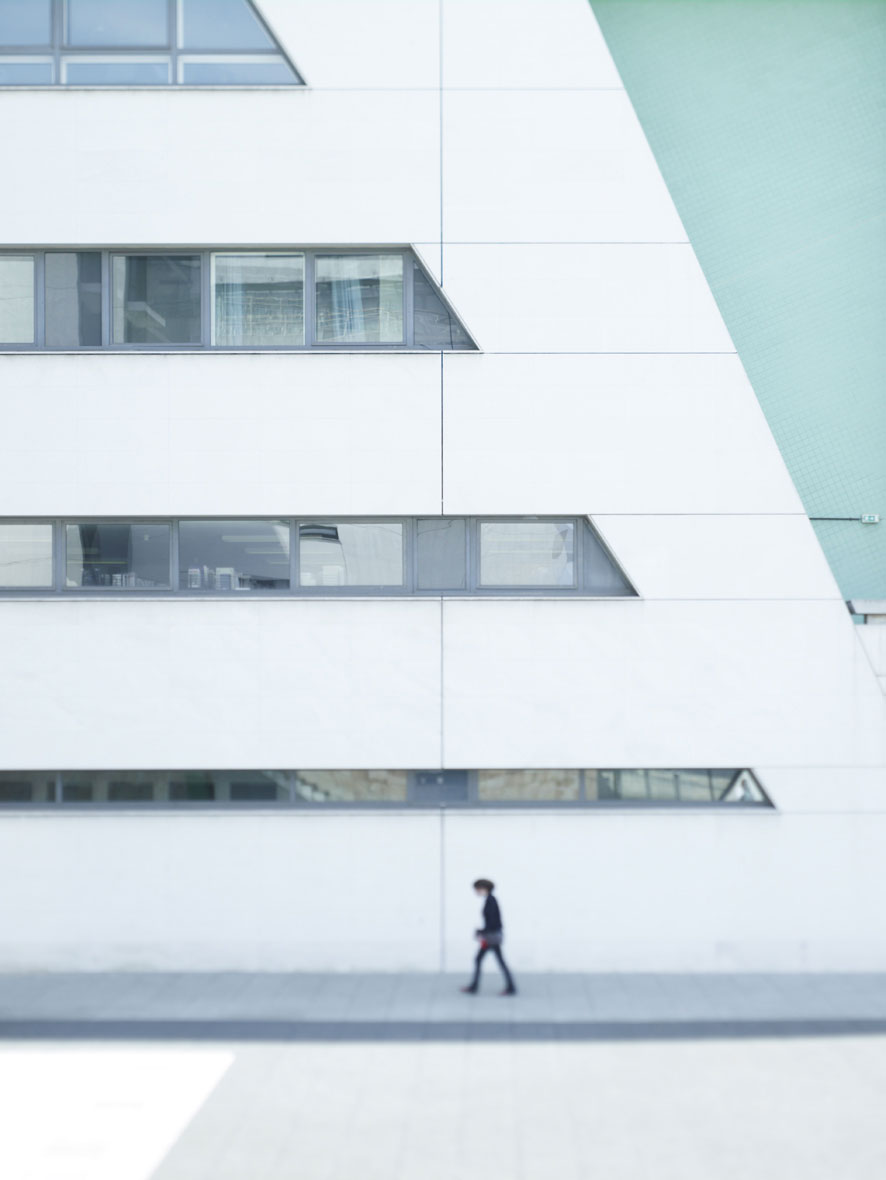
(768, 121)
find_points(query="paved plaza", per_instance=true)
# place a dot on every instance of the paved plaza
(358, 1077)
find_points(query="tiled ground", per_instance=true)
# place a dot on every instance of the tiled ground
(260, 1077)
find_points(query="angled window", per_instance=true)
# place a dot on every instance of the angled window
(307, 557)
(350, 298)
(536, 788)
(139, 43)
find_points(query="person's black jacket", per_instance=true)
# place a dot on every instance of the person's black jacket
(491, 917)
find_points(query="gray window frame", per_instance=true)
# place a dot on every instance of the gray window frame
(205, 255)
(165, 778)
(60, 53)
(409, 589)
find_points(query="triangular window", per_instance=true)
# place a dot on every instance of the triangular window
(742, 786)
(139, 43)
(436, 325)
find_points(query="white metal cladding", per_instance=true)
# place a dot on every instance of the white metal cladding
(608, 380)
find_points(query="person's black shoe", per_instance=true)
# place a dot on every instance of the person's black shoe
(509, 991)
(470, 989)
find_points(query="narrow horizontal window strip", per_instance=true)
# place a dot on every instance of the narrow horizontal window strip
(308, 557)
(256, 299)
(315, 789)
(133, 43)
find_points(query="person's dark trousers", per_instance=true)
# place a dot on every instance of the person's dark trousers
(478, 962)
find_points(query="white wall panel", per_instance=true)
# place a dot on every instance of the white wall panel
(733, 892)
(204, 892)
(632, 683)
(608, 434)
(495, 43)
(238, 434)
(578, 160)
(199, 684)
(823, 790)
(352, 43)
(585, 298)
(721, 556)
(611, 891)
(244, 166)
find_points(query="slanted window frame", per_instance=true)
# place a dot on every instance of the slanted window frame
(408, 589)
(206, 257)
(163, 779)
(59, 53)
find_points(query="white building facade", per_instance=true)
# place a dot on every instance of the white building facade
(418, 307)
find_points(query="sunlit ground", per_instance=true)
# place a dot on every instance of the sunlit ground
(804, 1108)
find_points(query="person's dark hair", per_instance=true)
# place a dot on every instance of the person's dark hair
(483, 883)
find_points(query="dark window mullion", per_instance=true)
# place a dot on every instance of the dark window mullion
(106, 298)
(206, 295)
(408, 299)
(40, 299)
(308, 302)
(174, 559)
(293, 556)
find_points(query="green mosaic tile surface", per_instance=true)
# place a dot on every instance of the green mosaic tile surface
(767, 121)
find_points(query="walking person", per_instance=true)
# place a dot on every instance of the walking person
(491, 937)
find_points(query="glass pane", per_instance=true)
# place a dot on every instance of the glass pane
(130, 24)
(26, 73)
(527, 553)
(78, 788)
(441, 554)
(259, 299)
(694, 786)
(77, 72)
(25, 22)
(17, 299)
(22, 786)
(270, 71)
(156, 299)
(222, 24)
(351, 786)
(662, 784)
(192, 788)
(601, 575)
(440, 786)
(234, 555)
(527, 786)
(434, 326)
(74, 300)
(359, 299)
(133, 789)
(120, 556)
(255, 791)
(351, 554)
(630, 784)
(742, 788)
(25, 555)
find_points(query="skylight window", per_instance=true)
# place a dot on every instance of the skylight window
(139, 43)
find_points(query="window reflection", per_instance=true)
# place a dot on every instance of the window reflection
(369, 555)
(528, 786)
(156, 298)
(25, 555)
(454, 787)
(527, 553)
(117, 556)
(258, 299)
(129, 24)
(351, 786)
(25, 22)
(359, 299)
(229, 555)
(17, 302)
(74, 299)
